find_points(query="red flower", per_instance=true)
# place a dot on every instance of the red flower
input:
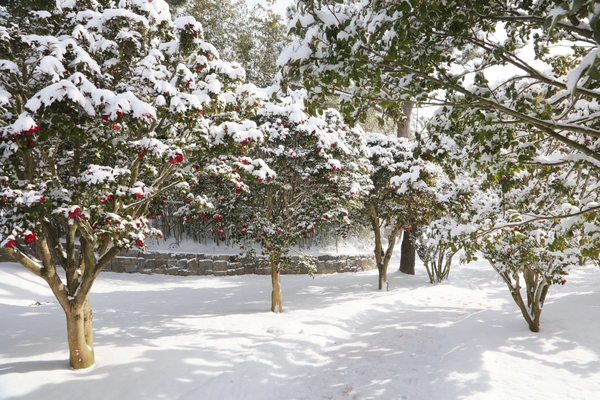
(105, 117)
(139, 195)
(218, 217)
(139, 243)
(10, 243)
(30, 143)
(30, 238)
(176, 159)
(75, 213)
(142, 153)
(31, 130)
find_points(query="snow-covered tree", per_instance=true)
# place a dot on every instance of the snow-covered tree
(308, 172)
(403, 196)
(105, 107)
(250, 33)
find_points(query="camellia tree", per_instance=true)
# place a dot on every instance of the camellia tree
(105, 107)
(518, 90)
(308, 172)
(403, 196)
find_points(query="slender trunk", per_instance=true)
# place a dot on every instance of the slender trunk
(403, 127)
(536, 295)
(407, 249)
(276, 295)
(79, 335)
(408, 253)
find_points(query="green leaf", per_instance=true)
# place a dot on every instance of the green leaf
(577, 4)
(405, 6)
(559, 13)
(597, 33)
(593, 72)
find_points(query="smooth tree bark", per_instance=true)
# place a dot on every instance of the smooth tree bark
(72, 295)
(408, 252)
(276, 294)
(382, 257)
(536, 288)
(407, 249)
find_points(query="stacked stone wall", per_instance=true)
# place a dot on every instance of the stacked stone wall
(222, 265)
(135, 261)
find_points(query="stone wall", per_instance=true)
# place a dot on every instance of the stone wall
(203, 264)
(222, 265)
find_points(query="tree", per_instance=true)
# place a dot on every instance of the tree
(522, 118)
(403, 195)
(252, 36)
(105, 108)
(308, 172)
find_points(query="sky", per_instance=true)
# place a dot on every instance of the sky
(280, 5)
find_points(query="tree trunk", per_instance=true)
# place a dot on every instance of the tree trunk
(407, 250)
(403, 127)
(536, 287)
(408, 253)
(276, 295)
(79, 335)
(382, 275)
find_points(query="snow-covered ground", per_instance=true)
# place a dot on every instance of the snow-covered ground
(164, 337)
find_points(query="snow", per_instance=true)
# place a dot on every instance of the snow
(167, 337)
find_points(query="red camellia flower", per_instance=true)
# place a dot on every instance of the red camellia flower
(139, 195)
(103, 199)
(139, 243)
(75, 213)
(142, 153)
(10, 243)
(218, 217)
(31, 130)
(176, 159)
(30, 238)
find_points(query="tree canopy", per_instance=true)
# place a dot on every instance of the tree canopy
(252, 35)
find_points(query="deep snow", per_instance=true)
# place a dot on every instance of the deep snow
(163, 337)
